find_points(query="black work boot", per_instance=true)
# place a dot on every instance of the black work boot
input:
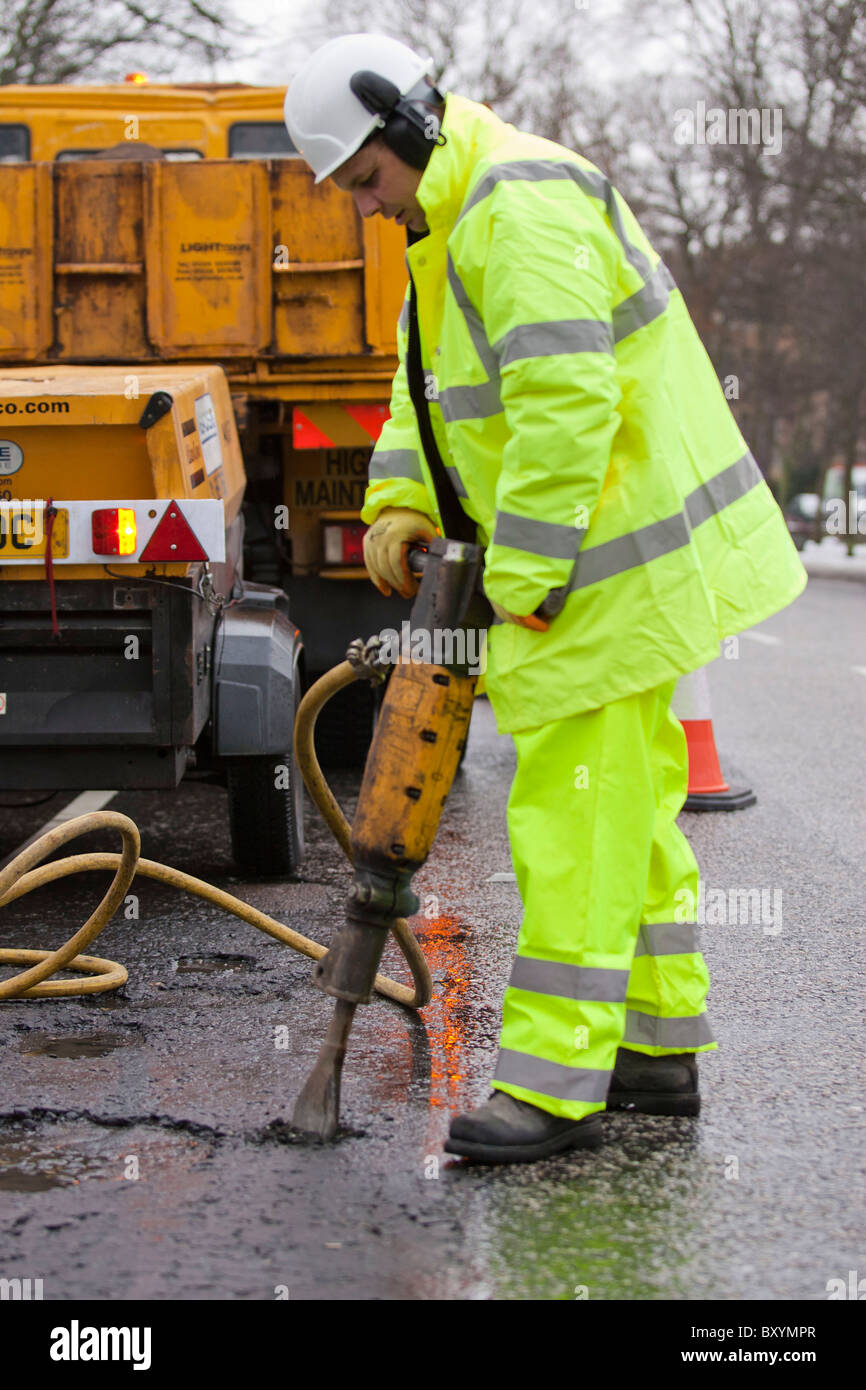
(507, 1130)
(655, 1085)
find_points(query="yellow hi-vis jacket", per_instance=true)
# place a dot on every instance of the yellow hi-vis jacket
(583, 426)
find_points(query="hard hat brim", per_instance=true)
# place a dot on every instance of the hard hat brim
(343, 157)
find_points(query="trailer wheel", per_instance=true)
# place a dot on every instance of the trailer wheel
(266, 810)
(266, 815)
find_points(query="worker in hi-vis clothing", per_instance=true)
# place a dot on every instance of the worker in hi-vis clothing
(589, 441)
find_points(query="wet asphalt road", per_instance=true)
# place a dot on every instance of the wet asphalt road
(144, 1151)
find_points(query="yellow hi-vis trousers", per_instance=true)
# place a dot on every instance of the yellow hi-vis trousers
(607, 954)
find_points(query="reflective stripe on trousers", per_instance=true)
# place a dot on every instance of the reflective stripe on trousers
(604, 872)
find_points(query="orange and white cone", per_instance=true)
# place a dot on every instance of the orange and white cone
(708, 790)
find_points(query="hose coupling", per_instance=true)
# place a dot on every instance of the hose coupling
(366, 659)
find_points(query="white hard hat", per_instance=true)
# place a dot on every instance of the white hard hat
(326, 121)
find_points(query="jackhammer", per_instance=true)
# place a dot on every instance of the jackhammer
(416, 748)
(420, 734)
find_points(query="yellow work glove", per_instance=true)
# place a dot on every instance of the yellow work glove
(386, 544)
(530, 620)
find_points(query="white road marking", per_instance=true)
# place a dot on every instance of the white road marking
(861, 670)
(502, 878)
(78, 806)
(763, 637)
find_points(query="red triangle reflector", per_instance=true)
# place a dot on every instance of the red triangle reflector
(307, 434)
(173, 539)
(370, 417)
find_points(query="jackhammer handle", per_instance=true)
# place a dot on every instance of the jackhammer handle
(416, 558)
(553, 604)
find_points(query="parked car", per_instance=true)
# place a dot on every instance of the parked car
(800, 515)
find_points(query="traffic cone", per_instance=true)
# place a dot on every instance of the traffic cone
(708, 790)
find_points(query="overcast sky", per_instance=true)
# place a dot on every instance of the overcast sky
(285, 30)
(270, 58)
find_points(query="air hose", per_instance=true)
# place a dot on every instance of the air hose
(22, 876)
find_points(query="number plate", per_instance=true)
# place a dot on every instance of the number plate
(23, 535)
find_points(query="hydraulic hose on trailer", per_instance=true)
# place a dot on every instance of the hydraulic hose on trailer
(23, 876)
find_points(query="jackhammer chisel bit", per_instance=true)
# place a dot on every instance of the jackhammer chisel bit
(420, 733)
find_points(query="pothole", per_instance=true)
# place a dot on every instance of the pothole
(28, 1164)
(37, 1155)
(77, 1045)
(214, 963)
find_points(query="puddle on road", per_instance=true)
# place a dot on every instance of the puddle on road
(44, 1155)
(28, 1164)
(214, 963)
(77, 1045)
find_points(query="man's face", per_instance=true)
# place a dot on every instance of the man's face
(380, 182)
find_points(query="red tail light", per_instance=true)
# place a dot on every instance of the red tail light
(114, 531)
(344, 543)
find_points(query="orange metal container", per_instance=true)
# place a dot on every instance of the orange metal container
(241, 261)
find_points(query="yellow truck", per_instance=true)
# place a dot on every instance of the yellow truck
(147, 227)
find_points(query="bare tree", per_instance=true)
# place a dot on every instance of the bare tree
(774, 235)
(531, 68)
(61, 40)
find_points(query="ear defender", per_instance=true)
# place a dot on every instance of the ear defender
(407, 130)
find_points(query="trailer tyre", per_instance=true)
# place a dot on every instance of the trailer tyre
(266, 815)
(266, 810)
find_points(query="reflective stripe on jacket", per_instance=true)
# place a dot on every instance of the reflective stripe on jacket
(583, 426)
